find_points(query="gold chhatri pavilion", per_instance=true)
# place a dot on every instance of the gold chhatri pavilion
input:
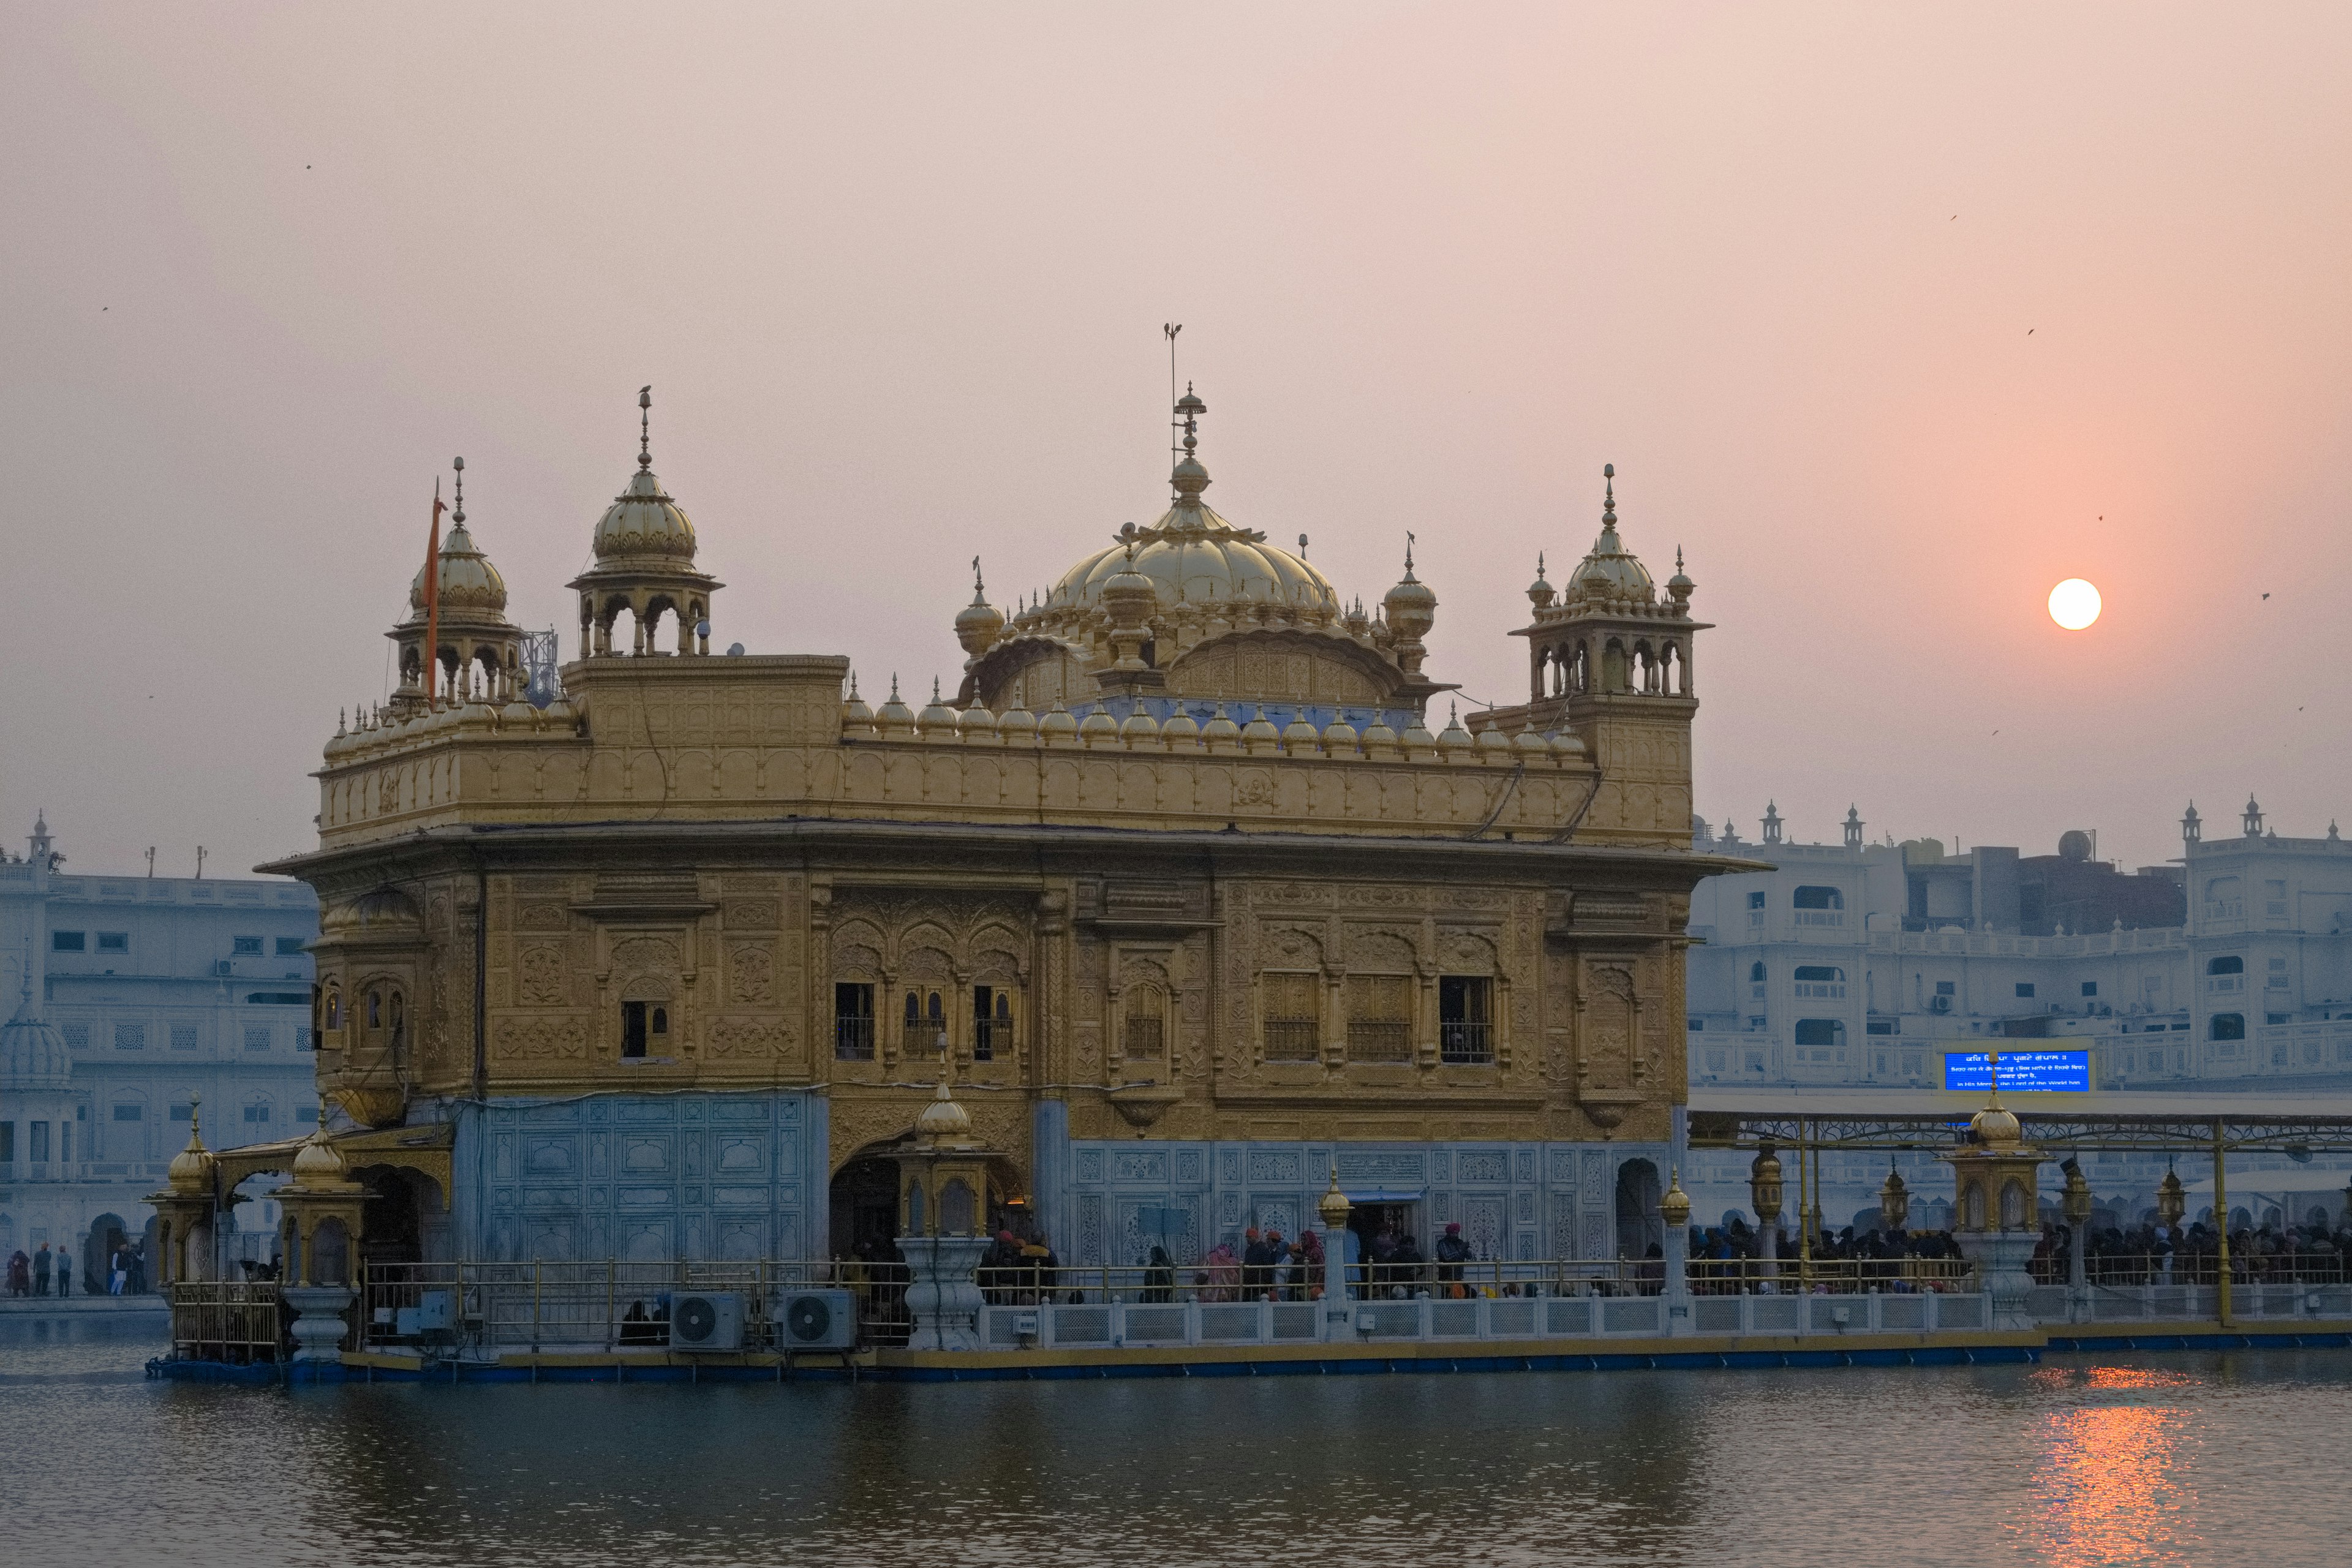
(1182, 888)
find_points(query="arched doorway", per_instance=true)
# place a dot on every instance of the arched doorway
(106, 1237)
(389, 1229)
(865, 1208)
(1638, 1226)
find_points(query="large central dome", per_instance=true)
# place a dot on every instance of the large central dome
(1193, 556)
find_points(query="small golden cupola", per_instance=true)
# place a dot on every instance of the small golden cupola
(478, 651)
(644, 565)
(978, 622)
(1411, 610)
(190, 1171)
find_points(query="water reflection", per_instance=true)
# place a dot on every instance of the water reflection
(2119, 1461)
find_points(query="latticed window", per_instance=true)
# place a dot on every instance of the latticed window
(1379, 1017)
(1293, 1017)
(1142, 1027)
(1466, 1030)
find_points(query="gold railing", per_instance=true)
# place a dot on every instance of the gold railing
(600, 1304)
(227, 1319)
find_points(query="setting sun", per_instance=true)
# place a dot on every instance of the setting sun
(2074, 603)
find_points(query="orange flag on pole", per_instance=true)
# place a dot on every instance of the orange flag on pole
(429, 670)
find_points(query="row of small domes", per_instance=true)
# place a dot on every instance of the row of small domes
(1017, 726)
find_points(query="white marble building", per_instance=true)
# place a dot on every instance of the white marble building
(1854, 965)
(132, 997)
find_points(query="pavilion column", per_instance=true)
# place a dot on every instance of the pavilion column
(1673, 1215)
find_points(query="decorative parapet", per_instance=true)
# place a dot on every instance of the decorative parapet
(749, 738)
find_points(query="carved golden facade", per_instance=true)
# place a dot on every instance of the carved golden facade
(1241, 902)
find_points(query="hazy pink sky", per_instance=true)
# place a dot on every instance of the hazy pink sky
(1892, 317)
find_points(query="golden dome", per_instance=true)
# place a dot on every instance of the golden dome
(385, 911)
(1995, 1125)
(643, 520)
(937, 718)
(190, 1171)
(978, 622)
(468, 581)
(1610, 571)
(1192, 555)
(943, 1118)
(318, 1164)
(1411, 606)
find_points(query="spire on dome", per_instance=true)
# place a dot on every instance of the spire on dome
(646, 427)
(1189, 479)
(457, 512)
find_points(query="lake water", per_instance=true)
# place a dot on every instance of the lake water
(2090, 1460)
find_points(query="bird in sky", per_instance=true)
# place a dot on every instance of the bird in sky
(2265, 596)
(2029, 332)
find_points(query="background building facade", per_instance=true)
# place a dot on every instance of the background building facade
(134, 997)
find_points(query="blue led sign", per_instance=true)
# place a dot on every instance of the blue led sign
(2063, 1072)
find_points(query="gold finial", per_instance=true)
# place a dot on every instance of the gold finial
(1609, 495)
(457, 512)
(1334, 1205)
(1674, 1204)
(1408, 555)
(645, 426)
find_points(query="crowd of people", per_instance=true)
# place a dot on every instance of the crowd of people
(35, 1274)
(2150, 1254)
(1727, 1258)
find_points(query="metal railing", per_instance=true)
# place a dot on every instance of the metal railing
(1465, 1044)
(853, 1037)
(2189, 1267)
(1293, 1039)
(602, 1304)
(1029, 1285)
(228, 1319)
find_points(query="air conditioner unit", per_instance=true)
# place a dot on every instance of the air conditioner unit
(1942, 1004)
(816, 1320)
(707, 1320)
(222, 967)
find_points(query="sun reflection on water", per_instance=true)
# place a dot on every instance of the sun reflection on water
(2112, 1488)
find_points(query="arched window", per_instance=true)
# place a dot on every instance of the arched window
(1820, 980)
(2228, 1026)
(374, 1011)
(1755, 973)
(2230, 965)
(334, 1007)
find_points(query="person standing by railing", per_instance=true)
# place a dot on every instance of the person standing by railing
(1453, 1252)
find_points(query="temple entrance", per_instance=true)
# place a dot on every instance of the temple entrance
(865, 1213)
(98, 1249)
(389, 1230)
(1378, 1226)
(1639, 1228)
